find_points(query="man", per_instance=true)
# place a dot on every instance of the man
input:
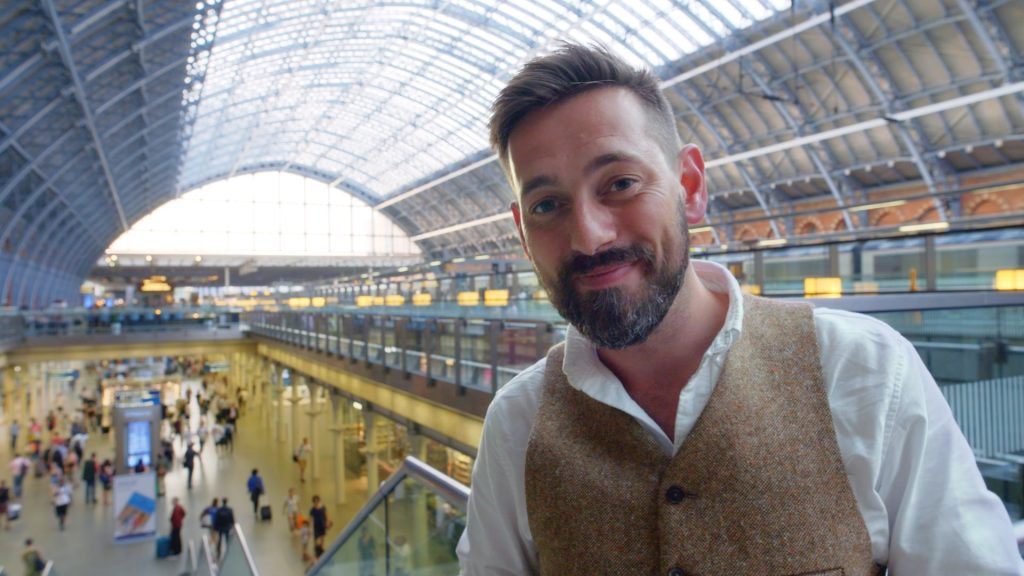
(177, 521)
(14, 429)
(255, 486)
(33, 560)
(19, 469)
(318, 516)
(62, 500)
(90, 468)
(190, 462)
(301, 457)
(683, 428)
(223, 522)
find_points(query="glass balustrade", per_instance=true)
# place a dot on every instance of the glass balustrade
(409, 527)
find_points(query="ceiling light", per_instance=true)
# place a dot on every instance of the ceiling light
(925, 227)
(199, 258)
(113, 257)
(149, 258)
(435, 262)
(771, 242)
(700, 229)
(482, 257)
(459, 260)
(876, 205)
(941, 154)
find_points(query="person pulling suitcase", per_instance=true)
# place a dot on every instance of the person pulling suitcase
(256, 490)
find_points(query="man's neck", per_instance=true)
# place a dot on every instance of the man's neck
(655, 372)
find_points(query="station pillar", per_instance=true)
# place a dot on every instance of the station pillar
(338, 431)
(372, 472)
(314, 411)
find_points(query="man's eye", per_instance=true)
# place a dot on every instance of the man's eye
(543, 207)
(622, 184)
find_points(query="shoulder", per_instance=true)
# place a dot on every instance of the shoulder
(514, 406)
(858, 349)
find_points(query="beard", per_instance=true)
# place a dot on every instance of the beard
(614, 318)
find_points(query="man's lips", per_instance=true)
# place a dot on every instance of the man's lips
(603, 276)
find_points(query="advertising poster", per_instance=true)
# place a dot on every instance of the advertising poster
(134, 506)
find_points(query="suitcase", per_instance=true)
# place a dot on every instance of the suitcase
(265, 513)
(163, 546)
(13, 511)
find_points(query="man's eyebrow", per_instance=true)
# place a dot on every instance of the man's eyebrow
(595, 164)
(533, 184)
(609, 158)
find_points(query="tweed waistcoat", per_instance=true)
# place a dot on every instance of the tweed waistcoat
(758, 486)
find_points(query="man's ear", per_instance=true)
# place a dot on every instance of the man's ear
(519, 226)
(695, 188)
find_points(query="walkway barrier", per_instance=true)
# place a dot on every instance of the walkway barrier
(411, 525)
(49, 570)
(206, 563)
(990, 414)
(237, 560)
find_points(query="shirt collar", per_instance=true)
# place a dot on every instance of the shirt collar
(585, 371)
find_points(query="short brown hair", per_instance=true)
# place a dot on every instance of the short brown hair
(573, 69)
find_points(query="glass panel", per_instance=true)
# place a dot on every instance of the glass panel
(363, 554)
(234, 562)
(422, 531)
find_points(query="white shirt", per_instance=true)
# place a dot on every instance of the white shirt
(914, 477)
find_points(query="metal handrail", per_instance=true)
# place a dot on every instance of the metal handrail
(245, 550)
(1018, 531)
(48, 569)
(452, 490)
(211, 562)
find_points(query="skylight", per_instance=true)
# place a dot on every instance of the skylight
(388, 94)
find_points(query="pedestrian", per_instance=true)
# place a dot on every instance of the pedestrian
(19, 469)
(367, 546)
(208, 517)
(291, 508)
(190, 462)
(321, 524)
(305, 535)
(33, 559)
(89, 473)
(140, 467)
(177, 521)
(683, 426)
(5, 501)
(255, 486)
(301, 457)
(107, 479)
(402, 552)
(14, 429)
(62, 500)
(223, 522)
(203, 432)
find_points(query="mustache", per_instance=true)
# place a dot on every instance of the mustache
(582, 263)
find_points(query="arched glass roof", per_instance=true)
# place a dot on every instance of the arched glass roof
(381, 96)
(266, 214)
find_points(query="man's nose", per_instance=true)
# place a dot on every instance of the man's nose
(593, 227)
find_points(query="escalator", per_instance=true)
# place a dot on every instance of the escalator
(411, 525)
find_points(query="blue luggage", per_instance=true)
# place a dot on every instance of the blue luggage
(163, 546)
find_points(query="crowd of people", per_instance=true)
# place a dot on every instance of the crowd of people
(55, 450)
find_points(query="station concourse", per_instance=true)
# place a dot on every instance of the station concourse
(295, 209)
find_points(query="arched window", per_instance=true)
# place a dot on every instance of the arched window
(266, 214)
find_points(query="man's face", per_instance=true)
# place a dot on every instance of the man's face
(601, 214)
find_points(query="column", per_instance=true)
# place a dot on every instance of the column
(10, 411)
(279, 395)
(420, 520)
(338, 430)
(314, 446)
(295, 399)
(372, 473)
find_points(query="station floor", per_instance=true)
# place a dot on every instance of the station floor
(86, 547)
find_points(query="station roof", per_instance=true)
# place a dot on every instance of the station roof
(110, 108)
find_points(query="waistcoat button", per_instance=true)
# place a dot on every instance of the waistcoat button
(674, 494)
